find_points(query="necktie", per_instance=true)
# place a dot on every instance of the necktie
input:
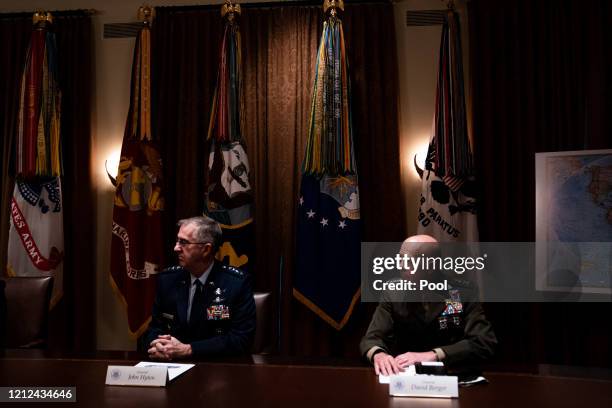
(197, 308)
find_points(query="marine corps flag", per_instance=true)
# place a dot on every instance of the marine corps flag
(229, 196)
(36, 237)
(448, 199)
(137, 244)
(327, 276)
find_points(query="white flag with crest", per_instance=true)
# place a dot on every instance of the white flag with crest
(36, 235)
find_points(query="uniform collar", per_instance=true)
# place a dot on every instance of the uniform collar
(204, 277)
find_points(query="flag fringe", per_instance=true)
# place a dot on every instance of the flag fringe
(327, 318)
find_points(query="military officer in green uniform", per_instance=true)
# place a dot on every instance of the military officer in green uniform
(443, 328)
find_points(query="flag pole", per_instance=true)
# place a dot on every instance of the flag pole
(279, 304)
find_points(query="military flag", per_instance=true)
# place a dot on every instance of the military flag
(448, 197)
(137, 243)
(229, 195)
(36, 237)
(327, 275)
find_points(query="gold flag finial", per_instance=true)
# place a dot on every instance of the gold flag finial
(42, 18)
(332, 6)
(146, 14)
(230, 10)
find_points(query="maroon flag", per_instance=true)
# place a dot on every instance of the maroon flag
(137, 244)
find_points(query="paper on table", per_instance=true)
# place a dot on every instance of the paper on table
(386, 379)
(174, 369)
(477, 380)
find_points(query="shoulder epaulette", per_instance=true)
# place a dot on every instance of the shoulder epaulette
(173, 269)
(233, 271)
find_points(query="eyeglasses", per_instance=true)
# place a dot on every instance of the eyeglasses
(183, 242)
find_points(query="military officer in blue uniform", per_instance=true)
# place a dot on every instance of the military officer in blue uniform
(443, 328)
(202, 307)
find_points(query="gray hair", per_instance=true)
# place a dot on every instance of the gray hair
(207, 229)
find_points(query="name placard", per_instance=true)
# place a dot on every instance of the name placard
(434, 386)
(137, 376)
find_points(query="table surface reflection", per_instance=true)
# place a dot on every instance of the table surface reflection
(283, 382)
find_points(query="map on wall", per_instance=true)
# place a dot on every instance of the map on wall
(574, 221)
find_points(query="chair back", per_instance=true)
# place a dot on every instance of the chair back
(27, 311)
(264, 326)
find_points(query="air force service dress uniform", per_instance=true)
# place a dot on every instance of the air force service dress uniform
(225, 321)
(458, 328)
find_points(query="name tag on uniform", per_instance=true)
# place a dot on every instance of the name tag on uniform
(433, 386)
(137, 376)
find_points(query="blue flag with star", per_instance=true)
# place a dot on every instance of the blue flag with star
(327, 276)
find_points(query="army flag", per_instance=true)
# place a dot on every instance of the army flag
(229, 195)
(327, 274)
(36, 238)
(137, 244)
(447, 207)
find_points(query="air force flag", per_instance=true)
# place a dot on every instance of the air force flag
(328, 241)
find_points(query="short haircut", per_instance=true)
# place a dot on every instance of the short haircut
(207, 229)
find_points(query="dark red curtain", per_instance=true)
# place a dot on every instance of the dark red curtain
(280, 44)
(72, 324)
(540, 76)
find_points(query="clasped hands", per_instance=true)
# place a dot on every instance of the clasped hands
(387, 365)
(165, 347)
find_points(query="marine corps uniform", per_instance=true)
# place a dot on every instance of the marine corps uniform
(227, 324)
(458, 328)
